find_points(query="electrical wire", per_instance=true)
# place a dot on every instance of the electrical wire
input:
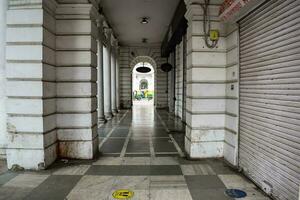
(207, 25)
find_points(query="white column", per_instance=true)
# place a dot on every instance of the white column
(76, 60)
(3, 132)
(206, 86)
(107, 76)
(117, 79)
(101, 117)
(31, 93)
(113, 77)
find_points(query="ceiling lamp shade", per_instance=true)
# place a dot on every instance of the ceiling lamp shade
(166, 67)
(145, 20)
(143, 69)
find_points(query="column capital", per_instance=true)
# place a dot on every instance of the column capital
(114, 42)
(100, 21)
(108, 33)
(193, 10)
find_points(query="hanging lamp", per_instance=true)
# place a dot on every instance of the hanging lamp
(143, 69)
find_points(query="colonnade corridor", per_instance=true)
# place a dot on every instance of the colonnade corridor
(141, 150)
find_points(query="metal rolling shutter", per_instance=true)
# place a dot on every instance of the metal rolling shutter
(270, 96)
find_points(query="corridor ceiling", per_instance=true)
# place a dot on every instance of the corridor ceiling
(125, 16)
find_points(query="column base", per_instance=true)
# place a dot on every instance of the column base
(31, 159)
(101, 120)
(108, 116)
(207, 143)
(114, 111)
(79, 149)
(2, 153)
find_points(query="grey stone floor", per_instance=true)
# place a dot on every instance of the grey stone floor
(141, 150)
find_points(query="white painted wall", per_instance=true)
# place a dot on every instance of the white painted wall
(3, 132)
(232, 92)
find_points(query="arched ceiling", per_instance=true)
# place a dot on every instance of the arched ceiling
(125, 15)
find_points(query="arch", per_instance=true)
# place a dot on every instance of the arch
(141, 59)
(152, 62)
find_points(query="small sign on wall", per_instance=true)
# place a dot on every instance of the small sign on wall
(233, 10)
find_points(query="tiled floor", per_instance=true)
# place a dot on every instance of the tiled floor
(137, 153)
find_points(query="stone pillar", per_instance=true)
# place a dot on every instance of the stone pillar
(3, 131)
(206, 86)
(171, 84)
(113, 76)
(31, 84)
(76, 59)
(117, 79)
(107, 76)
(101, 117)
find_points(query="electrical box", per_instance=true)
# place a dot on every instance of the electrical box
(214, 35)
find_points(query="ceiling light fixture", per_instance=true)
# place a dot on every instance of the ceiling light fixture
(143, 69)
(144, 40)
(145, 20)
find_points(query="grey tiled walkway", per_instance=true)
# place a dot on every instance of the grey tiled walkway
(141, 150)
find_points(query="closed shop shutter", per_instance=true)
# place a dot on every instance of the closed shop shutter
(270, 97)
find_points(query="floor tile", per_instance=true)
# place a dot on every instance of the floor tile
(220, 167)
(102, 132)
(138, 145)
(170, 194)
(4, 178)
(72, 170)
(132, 183)
(112, 146)
(236, 181)
(197, 169)
(206, 187)
(204, 182)
(143, 154)
(209, 194)
(26, 181)
(13, 193)
(163, 145)
(120, 132)
(54, 187)
(165, 170)
(108, 161)
(113, 170)
(242, 183)
(167, 182)
(92, 188)
(186, 161)
(136, 161)
(164, 161)
(254, 194)
(134, 170)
